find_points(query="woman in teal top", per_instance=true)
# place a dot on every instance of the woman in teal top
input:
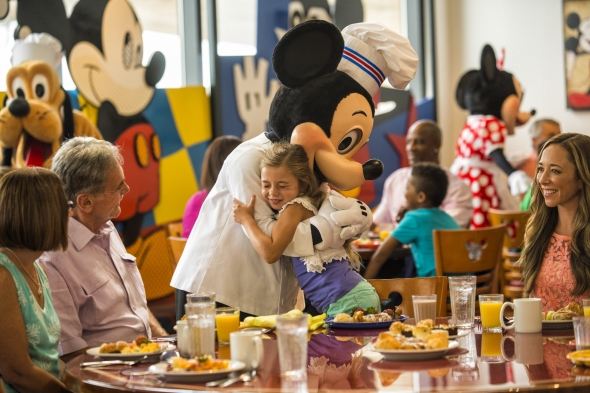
(33, 219)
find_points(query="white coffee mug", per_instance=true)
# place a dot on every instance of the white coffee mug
(246, 346)
(528, 348)
(527, 315)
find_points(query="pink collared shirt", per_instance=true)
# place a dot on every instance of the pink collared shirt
(96, 288)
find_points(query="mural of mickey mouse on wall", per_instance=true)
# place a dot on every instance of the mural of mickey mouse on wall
(577, 55)
(105, 61)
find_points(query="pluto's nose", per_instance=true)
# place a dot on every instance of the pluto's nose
(19, 107)
(372, 169)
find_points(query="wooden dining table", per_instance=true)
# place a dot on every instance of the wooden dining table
(344, 359)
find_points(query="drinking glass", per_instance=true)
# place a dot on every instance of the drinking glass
(586, 304)
(489, 309)
(200, 297)
(227, 320)
(424, 307)
(462, 289)
(201, 326)
(292, 341)
(582, 332)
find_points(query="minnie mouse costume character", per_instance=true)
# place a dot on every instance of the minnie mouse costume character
(330, 113)
(493, 98)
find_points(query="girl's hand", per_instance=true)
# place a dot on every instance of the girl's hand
(244, 212)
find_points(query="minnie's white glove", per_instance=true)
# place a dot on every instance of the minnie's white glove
(519, 183)
(339, 219)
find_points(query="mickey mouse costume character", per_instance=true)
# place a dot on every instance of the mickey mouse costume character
(328, 111)
(493, 98)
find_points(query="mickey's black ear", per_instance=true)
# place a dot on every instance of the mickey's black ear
(347, 12)
(306, 52)
(463, 87)
(488, 64)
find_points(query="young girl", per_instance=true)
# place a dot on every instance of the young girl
(330, 282)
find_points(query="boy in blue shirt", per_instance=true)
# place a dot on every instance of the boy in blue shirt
(425, 192)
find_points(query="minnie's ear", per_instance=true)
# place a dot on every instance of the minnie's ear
(463, 87)
(488, 64)
(306, 52)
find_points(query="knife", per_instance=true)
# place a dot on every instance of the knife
(107, 363)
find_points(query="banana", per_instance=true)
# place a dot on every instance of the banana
(270, 321)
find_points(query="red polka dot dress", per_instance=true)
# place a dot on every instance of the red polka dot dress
(489, 187)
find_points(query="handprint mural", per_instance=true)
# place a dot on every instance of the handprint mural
(253, 98)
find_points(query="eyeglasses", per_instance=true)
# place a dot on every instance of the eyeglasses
(70, 205)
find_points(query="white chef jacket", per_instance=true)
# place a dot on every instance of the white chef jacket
(219, 257)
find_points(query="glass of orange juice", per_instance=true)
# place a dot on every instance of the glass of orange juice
(489, 309)
(385, 231)
(227, 320)
(586, 304)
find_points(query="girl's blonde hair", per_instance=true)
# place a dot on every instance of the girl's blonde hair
(294, 159)
(543, 221)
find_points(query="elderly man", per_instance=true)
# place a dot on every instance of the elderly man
(422, 145)
(541, 131)
(96, 287)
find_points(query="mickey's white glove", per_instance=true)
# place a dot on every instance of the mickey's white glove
(519, 183)
(339, 219)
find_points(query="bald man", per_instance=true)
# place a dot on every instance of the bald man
(422, 145)
(540, 131)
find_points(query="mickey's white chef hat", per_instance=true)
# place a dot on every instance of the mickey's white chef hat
(37, 46)
(373, 52)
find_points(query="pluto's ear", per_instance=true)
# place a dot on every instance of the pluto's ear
(306, 52)
(6, 156)
(488, 65)
(68, 122)
(463, 88)
(6, 151)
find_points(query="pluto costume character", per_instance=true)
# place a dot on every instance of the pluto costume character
(31, 118)
(493, 99)
(324, 105)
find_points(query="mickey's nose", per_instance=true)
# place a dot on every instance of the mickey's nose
(372, 169)
(155, 69)
(19, 107)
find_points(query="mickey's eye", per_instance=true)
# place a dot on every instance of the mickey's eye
(318, 13)
(128, 50)
(138, 56)
(18, 87)
(41, 87)
(349, 141)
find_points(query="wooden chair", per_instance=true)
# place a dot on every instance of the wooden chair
(176, 245)
(475, 252)
(511, 280)
(406, 287)
(174, 229)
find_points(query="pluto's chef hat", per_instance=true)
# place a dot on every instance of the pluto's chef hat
(37, 46)
(373, 53)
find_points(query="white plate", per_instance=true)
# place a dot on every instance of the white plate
(460, 333)
(129, 356)
(415, 354)
(567, 324)
(195, 376)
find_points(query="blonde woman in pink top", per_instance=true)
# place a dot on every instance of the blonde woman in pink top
(556, 255)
